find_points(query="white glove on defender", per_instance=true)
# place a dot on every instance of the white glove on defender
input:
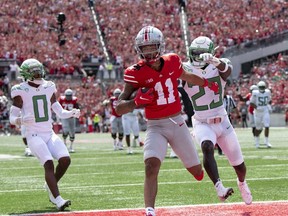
(210, 59)
(75, 113)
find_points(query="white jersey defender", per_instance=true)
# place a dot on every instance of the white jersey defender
(210, 121)
(261, 113)
(36, 104)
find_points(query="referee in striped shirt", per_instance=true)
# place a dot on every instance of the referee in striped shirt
(230, 105)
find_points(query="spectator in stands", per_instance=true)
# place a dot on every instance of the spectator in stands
(96, 123)
(14, 70)
(101, 72)
(109, 68)
(286, 117)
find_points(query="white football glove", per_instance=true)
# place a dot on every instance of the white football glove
(210, 59)
(75, 113)
(25, 120)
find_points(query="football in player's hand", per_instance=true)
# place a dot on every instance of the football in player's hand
(132, 96)
(144, 89)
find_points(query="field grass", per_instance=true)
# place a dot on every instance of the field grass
(100, 178)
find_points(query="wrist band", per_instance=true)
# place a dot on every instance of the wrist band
(205, 83)
(225, 69)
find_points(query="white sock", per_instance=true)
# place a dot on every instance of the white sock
(257, 141)
(266, 140)
(58, 199)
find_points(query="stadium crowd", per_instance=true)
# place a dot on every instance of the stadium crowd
(30, 29)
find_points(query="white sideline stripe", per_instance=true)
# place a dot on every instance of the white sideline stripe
(138, 184)
(163, 207)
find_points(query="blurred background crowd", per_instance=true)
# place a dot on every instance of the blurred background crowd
(86, 45)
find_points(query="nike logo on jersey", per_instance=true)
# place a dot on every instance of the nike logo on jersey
(142, 98)
(228, 127)
(170, 73)
(181, 124)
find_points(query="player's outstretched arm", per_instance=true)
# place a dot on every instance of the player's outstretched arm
(62, 113)
(200, 81)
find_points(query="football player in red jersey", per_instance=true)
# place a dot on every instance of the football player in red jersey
(116, 121)
(69, 102)
(158, 73)
(250, 108)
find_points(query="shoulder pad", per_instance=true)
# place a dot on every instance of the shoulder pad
(16, 87)
(49, 84)
(187, 67)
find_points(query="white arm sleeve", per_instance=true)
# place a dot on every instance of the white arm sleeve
(60, 112)
(15, 115)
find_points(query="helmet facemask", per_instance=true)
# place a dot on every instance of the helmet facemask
(149, 44)
(150, 53)
(261, 86)
(32, 70)
(68, 94)
(198, 46)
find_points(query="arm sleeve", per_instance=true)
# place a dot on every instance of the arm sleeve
(14, 116)
(60, 112)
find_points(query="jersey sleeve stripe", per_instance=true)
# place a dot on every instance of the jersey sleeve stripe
(130, 80)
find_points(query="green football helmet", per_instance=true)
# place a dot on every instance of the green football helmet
(32, 69)
(198, 46)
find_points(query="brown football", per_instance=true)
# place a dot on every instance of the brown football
(133, 95)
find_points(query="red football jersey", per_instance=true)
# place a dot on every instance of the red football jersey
(113, 103)
(250, 108)
(164, 83)
(68, 104)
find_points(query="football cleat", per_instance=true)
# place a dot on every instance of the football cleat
(28, 152)
(150, 212)
(222, 192)
(129, 151)
(61, 204)
(245, 192)
(71, 150)
(120, 145)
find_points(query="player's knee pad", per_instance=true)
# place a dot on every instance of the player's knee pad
(121, 136)
(65, 135)
(72, 138)
(113, 135)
